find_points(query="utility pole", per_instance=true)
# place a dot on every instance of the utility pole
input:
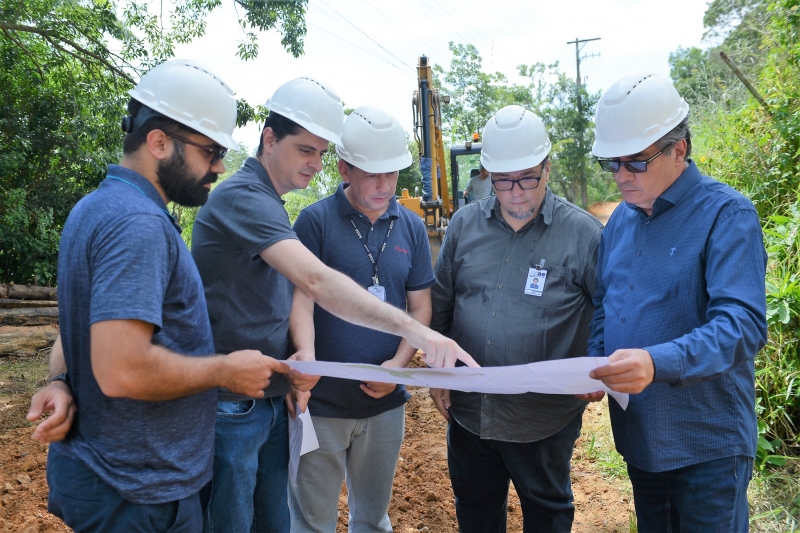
(579, 44)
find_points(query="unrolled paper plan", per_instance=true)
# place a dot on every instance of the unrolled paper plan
(564, 376)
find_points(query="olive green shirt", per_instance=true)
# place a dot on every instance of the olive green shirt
(479, 301)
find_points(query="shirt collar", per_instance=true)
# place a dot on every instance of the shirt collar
(139, 181)
(255, 165)
(675, 192)
(492, 207)
(135, 180)
(345, 208)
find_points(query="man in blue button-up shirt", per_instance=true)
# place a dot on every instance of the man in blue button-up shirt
(680, 311)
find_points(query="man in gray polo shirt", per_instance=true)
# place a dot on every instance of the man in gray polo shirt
(486, 299)
(249, 259)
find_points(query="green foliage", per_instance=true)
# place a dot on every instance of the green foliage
(28, 241)
(757, 150)
(548, 92)
(410, 177)
(67, 66)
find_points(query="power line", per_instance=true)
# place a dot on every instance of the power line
(368, 37)
(404, 29)
(431, 13)
(468, 28)
(345, 41)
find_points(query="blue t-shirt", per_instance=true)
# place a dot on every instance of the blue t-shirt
(122, 258)
(325, 228)
(248, 301)
(686, 284)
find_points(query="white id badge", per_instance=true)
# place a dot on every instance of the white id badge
(534, 285)
(379, 291)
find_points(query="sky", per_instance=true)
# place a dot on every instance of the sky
(367, 50)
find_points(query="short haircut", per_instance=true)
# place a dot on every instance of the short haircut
(681, 131)
(136, 138)
(281, 127)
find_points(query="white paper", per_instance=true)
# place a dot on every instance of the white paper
(564, 376)
(302, 439)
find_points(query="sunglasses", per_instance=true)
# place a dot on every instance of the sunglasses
(526, 184)
(636, 167)
(216, 152)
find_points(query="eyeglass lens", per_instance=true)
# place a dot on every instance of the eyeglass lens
(525, 184)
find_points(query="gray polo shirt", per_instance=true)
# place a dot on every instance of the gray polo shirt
(248, 301)
(479, 302)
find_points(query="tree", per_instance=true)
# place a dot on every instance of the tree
(67, 66)
(472, 92)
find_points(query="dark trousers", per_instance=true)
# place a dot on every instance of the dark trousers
(710, 496)
(86, 503)
(480, 471)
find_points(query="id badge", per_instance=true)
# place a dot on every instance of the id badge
(379, 291)
(534, 285)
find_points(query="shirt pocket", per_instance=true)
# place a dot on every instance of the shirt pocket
(554, 293)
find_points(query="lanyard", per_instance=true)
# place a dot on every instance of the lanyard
(369, 254)
(115, 178)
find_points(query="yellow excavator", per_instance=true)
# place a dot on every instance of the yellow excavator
(439, 199)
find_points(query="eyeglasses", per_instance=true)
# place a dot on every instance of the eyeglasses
(526, 184)
(216, 152)
(636, 167)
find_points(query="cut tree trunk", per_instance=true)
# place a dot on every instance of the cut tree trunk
(7, 303)
(26, 340)
(35, 316)
(27, 292)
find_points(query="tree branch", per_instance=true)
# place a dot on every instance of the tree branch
(19, 43)
(50, 35)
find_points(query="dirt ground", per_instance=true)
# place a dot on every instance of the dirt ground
(602, 210)
(422, 498)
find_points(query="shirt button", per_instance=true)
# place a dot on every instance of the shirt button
(623, 320)
(506, 259)
(485, 395)
(494, 313)
(646, 221)
(638, 252)
(489, 343)
(500, 286)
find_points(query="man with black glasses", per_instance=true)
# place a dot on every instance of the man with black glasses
(678, 314)
(485, 298)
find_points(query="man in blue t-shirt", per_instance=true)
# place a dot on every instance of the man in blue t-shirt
(134, 361)
(364, 233)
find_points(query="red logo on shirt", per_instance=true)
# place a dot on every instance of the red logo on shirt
(401, 249)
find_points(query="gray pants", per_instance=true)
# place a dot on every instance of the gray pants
(363, 452)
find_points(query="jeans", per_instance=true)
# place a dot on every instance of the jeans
(710, 496)
(86, 503)
(251, 468)
(480, 470)
(362, 451)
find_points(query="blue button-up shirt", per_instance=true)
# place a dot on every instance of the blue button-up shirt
(687, 285)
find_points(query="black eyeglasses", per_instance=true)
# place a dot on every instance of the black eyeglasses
(637, 167)
(216, 152)
(526, 184)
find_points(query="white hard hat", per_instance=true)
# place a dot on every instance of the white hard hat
(374, 141)
(312, 105)
(636, 111)
(190, 93)
(514, 139)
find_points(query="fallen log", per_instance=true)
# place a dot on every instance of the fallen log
(35, 316)
(26, 340)
(8, 303)
(27, 292)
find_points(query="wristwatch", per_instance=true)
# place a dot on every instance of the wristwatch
(60, 377)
